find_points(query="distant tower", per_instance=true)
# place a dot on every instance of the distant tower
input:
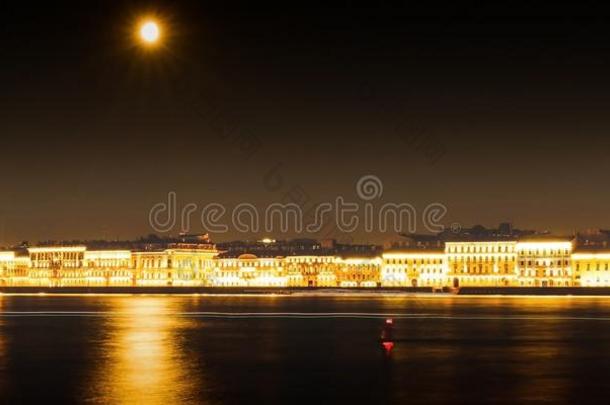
(505, 228)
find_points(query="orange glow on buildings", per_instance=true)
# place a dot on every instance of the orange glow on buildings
(536, 263)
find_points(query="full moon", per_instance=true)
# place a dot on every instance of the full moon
(149, 32)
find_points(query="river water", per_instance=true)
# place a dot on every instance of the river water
(160, 349)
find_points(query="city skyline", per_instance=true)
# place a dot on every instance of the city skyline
(501, 231)
(518, 259)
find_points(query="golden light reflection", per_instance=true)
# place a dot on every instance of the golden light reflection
(143, 359)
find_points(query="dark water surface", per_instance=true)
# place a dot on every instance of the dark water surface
(166, 350)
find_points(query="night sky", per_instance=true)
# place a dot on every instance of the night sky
(95, 130)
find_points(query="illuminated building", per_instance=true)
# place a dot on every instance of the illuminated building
(332, 271)
(248, 270)
(544, 263)
(57, 266)
(190, 264)
(151, 268)
(180, 265)
(413, 268)
(531, 261)
(14, 270)
(268, 247)
(358, 272)
(108, 267)
(591, 268)
(481, 263)
(311, 271)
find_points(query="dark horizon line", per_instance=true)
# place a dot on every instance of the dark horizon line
(472, 233)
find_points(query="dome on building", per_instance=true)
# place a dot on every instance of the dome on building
(247, 256)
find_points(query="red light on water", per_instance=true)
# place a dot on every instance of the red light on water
(388, 346)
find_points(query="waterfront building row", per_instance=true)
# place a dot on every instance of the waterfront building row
(547, 263)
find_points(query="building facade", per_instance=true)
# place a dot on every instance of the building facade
(358, 272)
(480, 263)
(311, 271)
(414, 268)
(545, 263)
(247, 270)
(591, 268)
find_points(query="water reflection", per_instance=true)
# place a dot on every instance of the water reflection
(143, 358)
(387, 333)
(141, 351)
